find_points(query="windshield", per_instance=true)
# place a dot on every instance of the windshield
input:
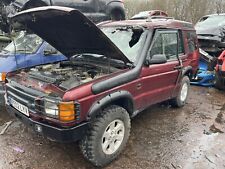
(128, 40)
(211, 21)
(24, 43)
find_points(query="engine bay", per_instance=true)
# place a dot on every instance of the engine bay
(67, 75)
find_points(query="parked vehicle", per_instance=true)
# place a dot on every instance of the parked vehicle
(147, 14)
(206, 74)
(211, 33)
(96, 10)
(113, 73)
(27, 50)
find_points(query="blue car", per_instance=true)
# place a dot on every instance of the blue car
(27, 50)
(206, 75)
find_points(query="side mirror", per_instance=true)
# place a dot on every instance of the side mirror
(158, 59)
(147, 62)
(50, 52)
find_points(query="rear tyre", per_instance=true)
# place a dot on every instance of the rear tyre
(107, 136)
(219, 82)
(181, 99)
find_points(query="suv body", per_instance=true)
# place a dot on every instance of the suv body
(96, 10)
(30, 51)
(115, 71)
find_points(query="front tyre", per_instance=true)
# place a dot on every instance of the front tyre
(181, 98)
(107, 136)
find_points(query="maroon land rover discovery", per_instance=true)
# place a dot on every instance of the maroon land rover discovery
(113, 72)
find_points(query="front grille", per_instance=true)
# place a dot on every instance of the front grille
(17, 92)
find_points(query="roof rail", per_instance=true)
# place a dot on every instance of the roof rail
(158, 17)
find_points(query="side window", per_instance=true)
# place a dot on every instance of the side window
(157, 46)
(192, 42)
(181, 50)
(165, 43)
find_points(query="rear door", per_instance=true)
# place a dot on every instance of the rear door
(160, 80)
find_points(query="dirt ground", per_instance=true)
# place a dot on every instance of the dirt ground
(161, 137)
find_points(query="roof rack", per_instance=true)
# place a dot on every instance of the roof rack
(158, 17)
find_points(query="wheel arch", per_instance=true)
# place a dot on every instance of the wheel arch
(187, 71)
(119, 98)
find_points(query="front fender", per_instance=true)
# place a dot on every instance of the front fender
(110, 98)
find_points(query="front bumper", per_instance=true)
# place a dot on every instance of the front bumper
(62, 135)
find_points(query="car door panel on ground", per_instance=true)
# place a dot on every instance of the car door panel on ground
(166, 74)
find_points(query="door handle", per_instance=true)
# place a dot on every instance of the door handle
(179, 67)
(138, 86)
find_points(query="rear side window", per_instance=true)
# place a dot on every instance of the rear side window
(192, 42)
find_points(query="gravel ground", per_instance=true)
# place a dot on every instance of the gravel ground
(161, 137)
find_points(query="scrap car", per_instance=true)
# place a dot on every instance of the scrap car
(26, 50)
(211, 33)
(206, 74)
(96, 10)
(113, 72)
(147, 14)
(211, 36)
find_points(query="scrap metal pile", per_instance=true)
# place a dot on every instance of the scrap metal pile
(211, 36)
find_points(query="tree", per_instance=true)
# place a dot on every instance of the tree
(187, 10)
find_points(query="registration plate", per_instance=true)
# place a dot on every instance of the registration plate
(21, 108)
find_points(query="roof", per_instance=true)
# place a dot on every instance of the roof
(218, 14)
(152, 23)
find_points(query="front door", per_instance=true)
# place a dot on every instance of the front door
(160, 80)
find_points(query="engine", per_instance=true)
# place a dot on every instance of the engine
(66, 75)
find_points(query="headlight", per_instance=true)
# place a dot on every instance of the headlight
(51, 108)
(2, 77)
(64, 111)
